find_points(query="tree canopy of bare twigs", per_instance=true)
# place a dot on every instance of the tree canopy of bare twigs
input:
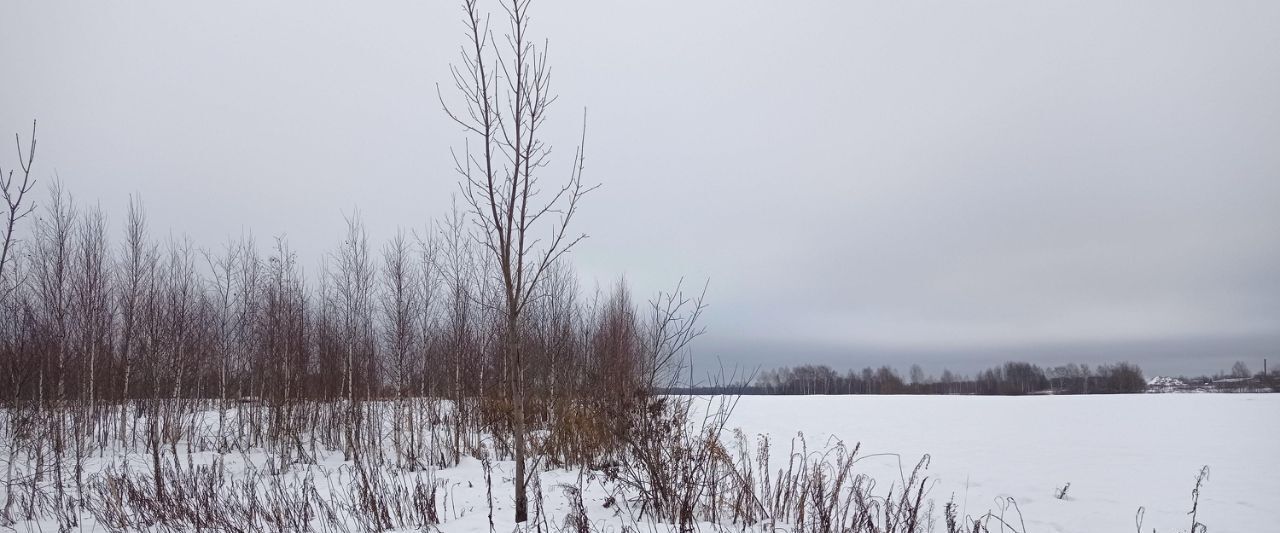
(15, 207)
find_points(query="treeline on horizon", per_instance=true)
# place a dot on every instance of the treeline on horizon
(1009, 379)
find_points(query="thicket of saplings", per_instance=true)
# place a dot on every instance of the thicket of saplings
(1009, 379)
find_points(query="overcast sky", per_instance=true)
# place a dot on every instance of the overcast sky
(950, 183)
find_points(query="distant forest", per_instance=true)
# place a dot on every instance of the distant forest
(1008, 379)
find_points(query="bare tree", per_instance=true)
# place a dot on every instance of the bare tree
(673, 323)
(353, 286)
(179, 309)
(248, 285)
(457, 270)
(429, 360)
(917, 376)
(282, 335)
(1240, 370)
(180, 323)
(506, 91)
(13, 199)
(92, 299)
(428, 275)
(132, 280)
(557, 332)
(947, 379)
(223, 269)
(401, 307)
(53, 264)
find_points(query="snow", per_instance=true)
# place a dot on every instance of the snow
(1119, 452)
(1162, 381)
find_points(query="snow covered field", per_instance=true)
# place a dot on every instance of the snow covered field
(1118, 452)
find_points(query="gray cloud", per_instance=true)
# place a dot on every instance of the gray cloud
(955, 183)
